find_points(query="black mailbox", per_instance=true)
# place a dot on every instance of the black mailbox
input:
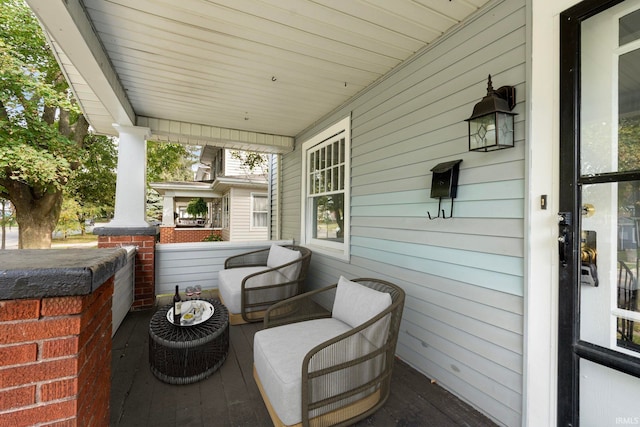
(445, 180)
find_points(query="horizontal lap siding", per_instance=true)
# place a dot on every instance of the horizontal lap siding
(189, 264)
(291, 184)
(463, 318)
(274, 197)
(241, 217)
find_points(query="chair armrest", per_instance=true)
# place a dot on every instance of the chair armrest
(255, 277)
(248, 259)
(352, 356)
(300, 308)
(343, 343)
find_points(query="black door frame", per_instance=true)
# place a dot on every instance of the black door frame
(570, 347)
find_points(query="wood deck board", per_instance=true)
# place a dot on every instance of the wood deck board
(230, 397)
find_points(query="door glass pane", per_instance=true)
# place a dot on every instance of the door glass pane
(629, 28)
(629, 111)
(599, 261)
(609, 274)
(609, 143)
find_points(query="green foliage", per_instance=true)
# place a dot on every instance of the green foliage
(41, 129)
(169, 162)
(629, 144)
(252, 162)
(166, 162)
(628, 160)
(34, 151)
(154, 205)
(93, 185)
(213, 237)
(68, 220)
(197, 207)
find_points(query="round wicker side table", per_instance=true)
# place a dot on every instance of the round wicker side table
(186, 354)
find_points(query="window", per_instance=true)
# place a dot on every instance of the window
(225, 211)
(259, 211)
(325, 189)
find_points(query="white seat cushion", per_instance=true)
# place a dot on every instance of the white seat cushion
(355, 304)
(278, 354)
(230, 284)
(279, 255)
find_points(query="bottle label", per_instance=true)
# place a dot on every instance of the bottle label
(177, 312)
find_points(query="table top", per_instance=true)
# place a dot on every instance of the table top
(166, 332)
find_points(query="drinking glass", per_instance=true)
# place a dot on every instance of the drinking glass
(198, 290)
(189, 292)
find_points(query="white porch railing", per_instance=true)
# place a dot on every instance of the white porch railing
(198, 263)
(123, 289)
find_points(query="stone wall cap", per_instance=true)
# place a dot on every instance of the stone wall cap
(37, 273)
(152, 230)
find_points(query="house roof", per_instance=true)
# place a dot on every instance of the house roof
(234, 73)
(185, 189)
(209, 189)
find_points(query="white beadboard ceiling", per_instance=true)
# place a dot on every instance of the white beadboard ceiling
(225, 72)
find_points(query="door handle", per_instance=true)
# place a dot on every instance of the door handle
(564, 240)
(562, 247)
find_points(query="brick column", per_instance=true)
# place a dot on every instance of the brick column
(144, 239)
(55, 351)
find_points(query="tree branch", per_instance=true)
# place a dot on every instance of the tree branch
(3, 112)
(49, 114)
(63, 123)
(81, 130)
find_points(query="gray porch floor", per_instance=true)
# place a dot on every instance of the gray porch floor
(230, 396)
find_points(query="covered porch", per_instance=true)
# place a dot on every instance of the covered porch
(402, 76)
(231, 398)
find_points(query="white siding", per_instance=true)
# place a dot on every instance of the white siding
(274, 197)
(197, 263)
(233, 166)
(463, 318)
(241, 217)
(123, 289)
(290, 171)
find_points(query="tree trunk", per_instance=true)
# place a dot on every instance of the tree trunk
(34, 234)
(37, 216)
(4, 226)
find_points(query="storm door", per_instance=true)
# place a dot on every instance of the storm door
(599, 234)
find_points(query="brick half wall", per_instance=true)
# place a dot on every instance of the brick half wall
(55, 360)
(169, 234)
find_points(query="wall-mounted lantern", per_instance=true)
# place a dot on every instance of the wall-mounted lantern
(491, 124)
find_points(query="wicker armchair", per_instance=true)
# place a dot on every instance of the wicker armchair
(316, 366)
(253, 281)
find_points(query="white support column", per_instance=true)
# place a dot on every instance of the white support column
(131, 181)
(168, 209)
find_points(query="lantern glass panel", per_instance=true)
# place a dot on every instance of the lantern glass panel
(482, 132)
(504, 124)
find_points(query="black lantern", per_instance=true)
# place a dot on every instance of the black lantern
(491, 124)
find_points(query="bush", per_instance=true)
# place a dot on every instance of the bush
(213, 237)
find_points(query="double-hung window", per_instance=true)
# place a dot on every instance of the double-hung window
(325, 187)
(259, 210)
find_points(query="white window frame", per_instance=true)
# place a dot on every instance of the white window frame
(265, 196)
(226, 211)
(339, 130)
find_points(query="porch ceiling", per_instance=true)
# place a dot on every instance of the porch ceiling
(246, 74)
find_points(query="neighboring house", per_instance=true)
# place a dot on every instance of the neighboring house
(237, 200)
(357, 92)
